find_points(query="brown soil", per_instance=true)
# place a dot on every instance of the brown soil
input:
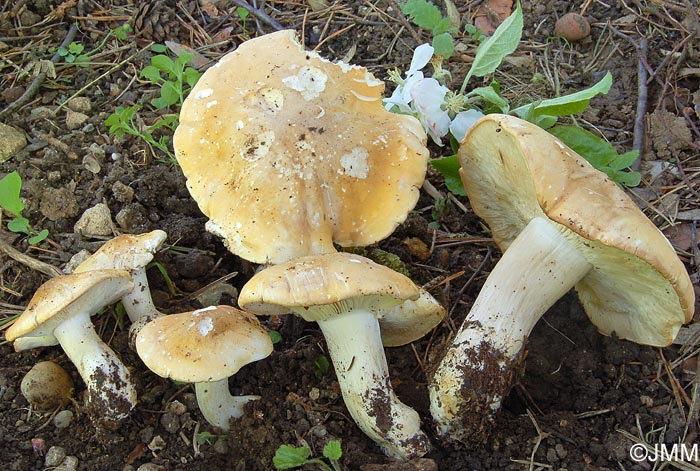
(581, 395)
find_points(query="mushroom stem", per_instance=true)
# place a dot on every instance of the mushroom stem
(111, 393)
(355, 347)
(217, 404)
(539, 267)
(139, 306)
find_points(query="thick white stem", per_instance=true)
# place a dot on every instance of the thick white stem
(217, 404)
(355, 346)
(111, 393)
(539, 267)
(138, 303)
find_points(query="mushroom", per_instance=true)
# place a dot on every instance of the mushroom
(343, 293)
(132, 253)
(561, 224)
(206, 347)
(288, 153)
(59, 313)
(47, 386)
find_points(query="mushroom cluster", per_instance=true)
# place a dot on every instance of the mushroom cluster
(290, 155)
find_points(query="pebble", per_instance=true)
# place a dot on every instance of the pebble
(150, 467)
(11, 142)
(54, 456)
(75, 119)
(221, 446)
(170, 422)
(70, 463)
(123, 193)
(80, 104)
(95, 221)
(63, 419)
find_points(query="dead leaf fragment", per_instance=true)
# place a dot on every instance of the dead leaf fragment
(491, 14)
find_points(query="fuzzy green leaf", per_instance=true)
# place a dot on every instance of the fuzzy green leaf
(19, 224)
(163, 63)
(423, 13)
(289, 457)
(443, 45)
(493, 50)
(493, 99)
(35, 239)
(449, 168)
(151, 73)
(332, 450)
(10, 186)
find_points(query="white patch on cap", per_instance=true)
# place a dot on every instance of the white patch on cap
(355, 163)
(272, 99)
(309, 81)
(257, 147)
(205, 326)
(205, 93)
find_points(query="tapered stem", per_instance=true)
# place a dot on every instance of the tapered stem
(217, 404)
(111, 393)
(538, 268)
(355, 346)
(139, 306)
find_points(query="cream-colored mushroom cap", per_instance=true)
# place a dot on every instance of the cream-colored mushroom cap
(288, 153)
(205, 345)
(125, 252)
(314, 286)
(410, 320)
(514, 171)
(61, 297)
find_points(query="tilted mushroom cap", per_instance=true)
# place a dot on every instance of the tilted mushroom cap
(514, 171)
(61, 297)
(125, 252)
(205, 345)
(316, 281)
(287, 152)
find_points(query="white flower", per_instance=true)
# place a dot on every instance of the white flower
(400, 99)
(463, 121)
(428, 100)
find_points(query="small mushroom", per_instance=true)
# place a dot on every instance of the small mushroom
(288, 153)
(59, 313)
(206, 347)
(345, 294)
(47, 386)
(132, 253)
(561, 224)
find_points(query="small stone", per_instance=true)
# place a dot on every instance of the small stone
(91, 164)
(75, 119)
(80, 104)
(221, 446)
(95, 221)
(170, 422)
(11, 142)
(53, 176)
(63, 419)
(176, 407)
(314, 394)
(157, 443)
(150, 467)
(54, 456)
(40, 112)
(57, 203)
(47, 386)
(68, 464)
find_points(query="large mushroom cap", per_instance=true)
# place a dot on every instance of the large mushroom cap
(287, 153)
(61, 297)
(205, 345)
(325, 280)
(125, 252)
(514, 171)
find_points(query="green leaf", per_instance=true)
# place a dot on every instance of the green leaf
(191, 76)
(163, 63)
(332, 450)
(275, 336)
(491, 96)
(288, 457)
(321, 367)
(423, 13)
(151, 73)
(493, 50)
(19, 224)
(449, 168)
(39, 237)
(567, 104)
(10, 187)
(443, 45)
(599, 153)
(159, 48)
(242, 13)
